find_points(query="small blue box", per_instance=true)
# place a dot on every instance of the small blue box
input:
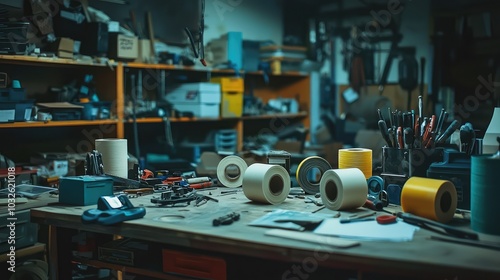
(84, 190)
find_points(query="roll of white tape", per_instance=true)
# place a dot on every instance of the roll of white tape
(266, 183)
(230, 171)
(114, 156)
(343, 189)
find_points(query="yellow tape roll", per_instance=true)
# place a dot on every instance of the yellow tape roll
(356, 158)
(429, 198)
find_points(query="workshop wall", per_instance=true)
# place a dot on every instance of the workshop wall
(256, 19)
(415, 27)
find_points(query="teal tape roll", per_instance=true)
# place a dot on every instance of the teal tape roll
(485, 194)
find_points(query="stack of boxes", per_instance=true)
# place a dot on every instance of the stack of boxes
(222, 97)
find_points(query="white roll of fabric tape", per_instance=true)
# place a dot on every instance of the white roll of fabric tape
(266, 183)
(114, 156)
(343, 189)
(230, 171)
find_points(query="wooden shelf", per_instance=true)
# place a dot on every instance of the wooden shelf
(56, 123)
(129, 269)
(284, 74)
(26, 59)
(244, 118)
(177, 67)
(160, 120)
(25, 252)
(111, 82)
(208, 69)
(281, 115)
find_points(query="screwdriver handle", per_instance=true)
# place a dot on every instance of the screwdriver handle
(449, 131)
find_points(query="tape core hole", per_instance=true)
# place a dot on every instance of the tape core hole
(232, 171)
(314, 175)
(445, 202)
(331, 191)
(276, 185)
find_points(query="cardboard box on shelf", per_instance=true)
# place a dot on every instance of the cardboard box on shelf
(63, 47)
(122, 47)
(144, 53)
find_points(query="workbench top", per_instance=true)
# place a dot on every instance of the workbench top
(191, 226)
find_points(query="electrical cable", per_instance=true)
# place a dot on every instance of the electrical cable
(168, 134)
(191, 40)
(198, 47)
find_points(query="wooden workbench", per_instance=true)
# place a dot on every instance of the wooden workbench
(190, 227)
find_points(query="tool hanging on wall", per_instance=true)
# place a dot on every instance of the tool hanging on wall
(408, 72)
(198, 47)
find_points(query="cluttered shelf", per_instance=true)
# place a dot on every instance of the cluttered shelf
(285, 74)
(182, 119)
(56, 61)
(209, 69)
(186, 119)
(56, 123)
(277, 115)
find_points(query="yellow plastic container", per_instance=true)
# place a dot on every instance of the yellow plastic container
(232, 89)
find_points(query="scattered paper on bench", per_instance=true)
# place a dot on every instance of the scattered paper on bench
(367, 230)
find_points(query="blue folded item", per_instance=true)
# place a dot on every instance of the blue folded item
(112, 210)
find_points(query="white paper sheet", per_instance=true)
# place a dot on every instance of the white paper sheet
(367, 230)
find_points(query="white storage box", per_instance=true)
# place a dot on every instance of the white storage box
(200, 110)
(202, 99)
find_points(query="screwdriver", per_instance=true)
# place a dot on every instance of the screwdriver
(448, 132)
(383, 129)
(408, 137)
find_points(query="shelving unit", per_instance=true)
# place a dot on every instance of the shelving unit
(130, 269)
(37, 74)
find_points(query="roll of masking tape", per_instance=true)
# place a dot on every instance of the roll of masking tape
(230, 171)
(308, 168)
(356, 158)
(343, 189)
(114, 156)
(266, 183)
(429, 198)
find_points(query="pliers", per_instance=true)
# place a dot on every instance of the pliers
(202, 199)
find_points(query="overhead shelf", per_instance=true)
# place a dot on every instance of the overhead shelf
(56, 123)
